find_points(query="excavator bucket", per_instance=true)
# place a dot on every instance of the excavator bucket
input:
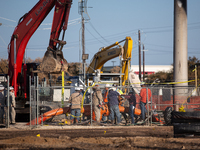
(53, 62)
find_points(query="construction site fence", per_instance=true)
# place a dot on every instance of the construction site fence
(5, 101)
(44, 99)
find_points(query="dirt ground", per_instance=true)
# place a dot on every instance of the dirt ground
(96, 137)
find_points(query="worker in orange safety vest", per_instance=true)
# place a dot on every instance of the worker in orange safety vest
(143, 99)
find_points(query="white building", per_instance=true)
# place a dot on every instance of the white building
(150, 69)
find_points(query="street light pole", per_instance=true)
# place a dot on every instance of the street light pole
(113, 62)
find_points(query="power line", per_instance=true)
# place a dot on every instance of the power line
(98, 32)
(94, 36)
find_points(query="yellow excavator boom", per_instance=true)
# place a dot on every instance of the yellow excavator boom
(110, 52)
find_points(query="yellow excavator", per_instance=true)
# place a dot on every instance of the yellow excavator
(110, 52)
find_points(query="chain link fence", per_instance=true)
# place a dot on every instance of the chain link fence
(48, 105)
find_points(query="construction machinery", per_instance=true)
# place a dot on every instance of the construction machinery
(53, 60)
(115, 50)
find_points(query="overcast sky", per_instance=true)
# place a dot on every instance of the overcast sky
(110, 21)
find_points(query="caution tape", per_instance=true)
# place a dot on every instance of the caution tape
(167, 82)
(152, 83)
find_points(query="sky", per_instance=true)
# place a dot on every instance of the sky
(109, 21)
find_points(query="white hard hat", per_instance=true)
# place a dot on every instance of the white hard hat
(113, 88)
(81, 87)
(77, 88)
(1, 87)
(107, 85)
(11, 88)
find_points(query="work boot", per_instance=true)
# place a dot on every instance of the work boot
(72, 121)
(112, 122)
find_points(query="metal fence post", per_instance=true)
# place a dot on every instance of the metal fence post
(8, 103)
(37, 98)
(147, 105)
(91, 107)
(30, 97)
(151, 107)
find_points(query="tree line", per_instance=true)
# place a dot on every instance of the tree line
(75, 67)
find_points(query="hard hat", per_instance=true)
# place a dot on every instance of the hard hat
(1, 87)
(115, 85)
(107, 85)
(113, 88)
(81, 87)
(77, 88)
(11, 88)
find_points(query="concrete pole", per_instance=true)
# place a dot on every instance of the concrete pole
(180, 46)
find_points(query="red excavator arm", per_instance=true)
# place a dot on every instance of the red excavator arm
(27, 25)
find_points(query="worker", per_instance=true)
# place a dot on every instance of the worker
(12, 105)
(117, 89)
(97, 100)
(132, 104)
(105, 96)
(113, 105)
(120, 97)
(143, 99)
(2, 103)
(81, 90)
(75, 99)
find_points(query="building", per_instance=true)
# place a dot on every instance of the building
(149, 69)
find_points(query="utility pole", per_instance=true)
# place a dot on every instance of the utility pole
(180, 47)
(139, 46)
(180, 56)
(83, 36)
(143, 64)
(82, 11)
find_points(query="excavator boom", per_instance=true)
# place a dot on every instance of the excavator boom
(25, 29)
(110, 52)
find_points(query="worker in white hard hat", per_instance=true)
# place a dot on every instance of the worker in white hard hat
(75, 99)
(97, 100)
(81, 89)
(2, 103)
(12, 105)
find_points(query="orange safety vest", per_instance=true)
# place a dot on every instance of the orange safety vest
(143, 95)
(105, 96)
